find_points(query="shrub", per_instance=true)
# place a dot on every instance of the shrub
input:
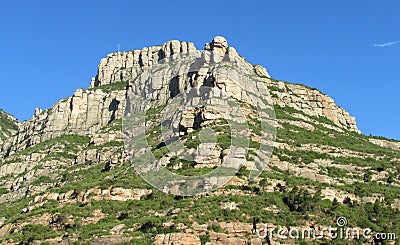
(3, 191)
(299, 200)
(205, 238)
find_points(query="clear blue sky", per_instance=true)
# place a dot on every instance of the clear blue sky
(50, 48)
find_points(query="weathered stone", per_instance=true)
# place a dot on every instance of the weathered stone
(176, 239)
(117, 230)
(176, 211)
(311, 102)
(111, 239)
(385, 143)
(5, 230)
(261, 71)
(229, 205)
(219, 44)
(2, 221)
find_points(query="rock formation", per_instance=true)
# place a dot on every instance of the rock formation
(126, 66)
(8, 126)
(89, 110)
(66, 171)
(312, 102)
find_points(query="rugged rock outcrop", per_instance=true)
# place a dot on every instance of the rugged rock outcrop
(311, 102)
(91, 109)
(177, 239)
(8, 126)
(126, 66)
(84, 113)
(386, 143)
(88, 110)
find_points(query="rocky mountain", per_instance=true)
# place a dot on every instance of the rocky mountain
(66, 177)
(8, 126)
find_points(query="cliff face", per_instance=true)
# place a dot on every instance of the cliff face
(66, 173)
(126, 66)
(84, 113)
(88, 110)
(312, 102)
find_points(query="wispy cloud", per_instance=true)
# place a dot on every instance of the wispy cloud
(382, 45)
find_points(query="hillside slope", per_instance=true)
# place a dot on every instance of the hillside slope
(66, 177)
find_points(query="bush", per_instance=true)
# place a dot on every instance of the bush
(215, 227)
(42, 179)
(3, 191)
(299, 200)
(205, 238)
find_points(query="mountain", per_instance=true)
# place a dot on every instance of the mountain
(66, 175)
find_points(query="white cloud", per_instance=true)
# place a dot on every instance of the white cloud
(382, 45)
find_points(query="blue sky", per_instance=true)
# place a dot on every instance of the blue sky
(350, 50)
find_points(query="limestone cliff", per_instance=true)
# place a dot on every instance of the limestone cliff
(88, 110)
(312, 102)
(84, 113)
(126, 66)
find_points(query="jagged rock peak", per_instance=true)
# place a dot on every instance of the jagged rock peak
(219, 44)
(126, 66)
(261, 71)
(175, 47)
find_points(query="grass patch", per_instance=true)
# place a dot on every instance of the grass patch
(111, 87)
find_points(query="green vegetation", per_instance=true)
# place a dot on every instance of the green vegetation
(215, 227)
(300, 200)
(90, 176)
(64, 147)
(71, 143)
(205, 238)
(192, 140)
(276, 88)
(111, 87)
(42, 179)
(31, 232)
(3, 191)
(297, 136)
(115, 125)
